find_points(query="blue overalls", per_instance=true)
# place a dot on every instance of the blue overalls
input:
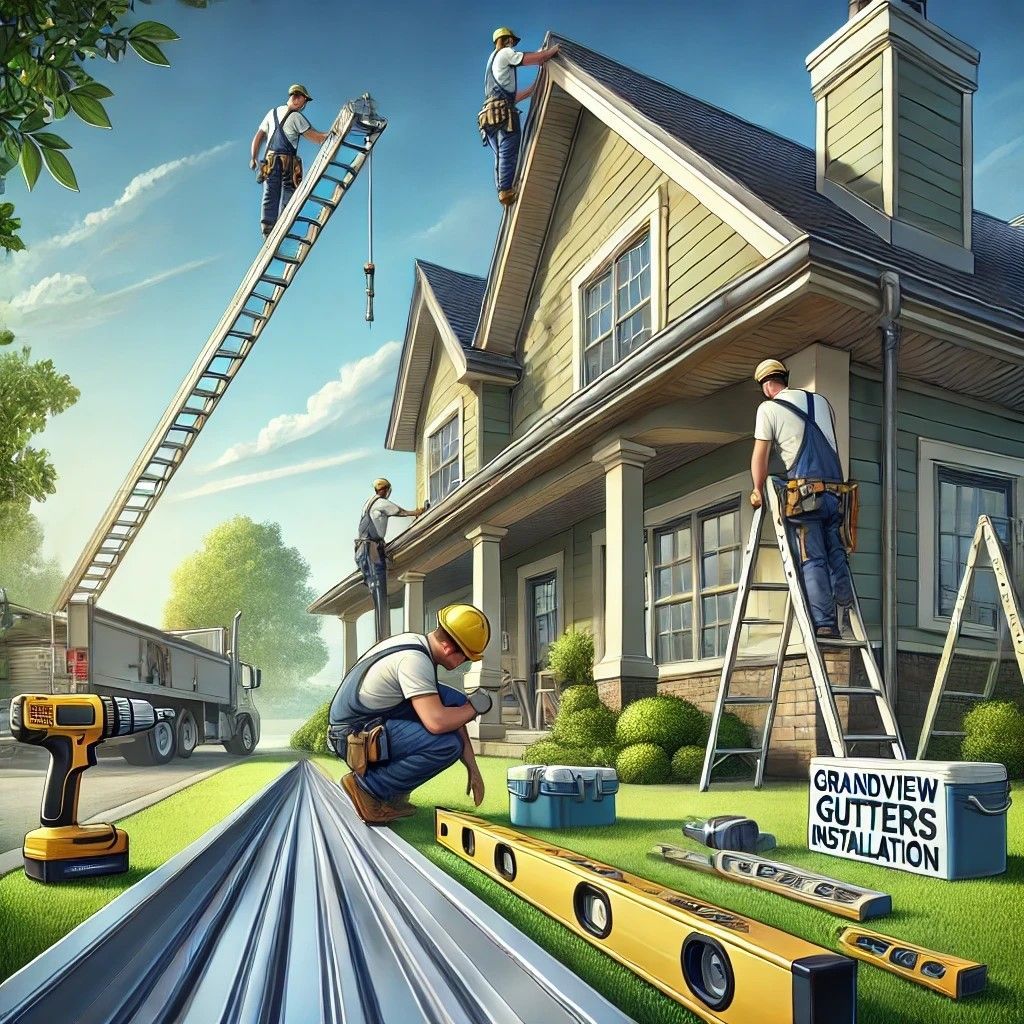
(279, 184)
(815, 536)
(505, 144)
(371, 559)
(414, 755)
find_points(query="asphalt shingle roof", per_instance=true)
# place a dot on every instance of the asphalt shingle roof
(782, 173)
(460, 296)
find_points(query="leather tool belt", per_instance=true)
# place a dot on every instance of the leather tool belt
(361, 748)
(290, 165)
(805, 496)
(496, 113)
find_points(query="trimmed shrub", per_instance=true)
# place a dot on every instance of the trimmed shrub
(311, 736)
(576, 698)
(589, 727)
(669, 722)
(571, 657)
(605, 757)
(550, 752)
(643, 764)
(732, 731)
(995, 732)
(687, 763)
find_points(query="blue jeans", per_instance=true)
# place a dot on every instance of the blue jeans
(416, 755)
(505, 146)
(815, 540)
(277, 190)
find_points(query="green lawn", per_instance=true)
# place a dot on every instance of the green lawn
(33, 916)
(978, 920)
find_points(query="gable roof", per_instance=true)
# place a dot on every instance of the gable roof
(459, 295)
(782, 173)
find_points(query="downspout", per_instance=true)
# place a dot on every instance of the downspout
(889, 325)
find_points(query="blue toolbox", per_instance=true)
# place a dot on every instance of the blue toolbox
(559, 796)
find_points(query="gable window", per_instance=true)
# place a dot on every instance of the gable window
(444, 448)
(617, 309)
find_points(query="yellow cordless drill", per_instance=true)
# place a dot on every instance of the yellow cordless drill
(71, 726)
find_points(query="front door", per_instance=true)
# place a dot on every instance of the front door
(542, 607)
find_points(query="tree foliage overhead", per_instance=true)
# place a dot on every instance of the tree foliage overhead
(30, 392)
(245, 566)
(29, 578)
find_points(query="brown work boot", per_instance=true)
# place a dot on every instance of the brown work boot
(402, 806)
(368, 807)
(508, 196)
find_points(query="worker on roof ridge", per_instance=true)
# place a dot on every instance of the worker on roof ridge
(371, 550)
(819, 506)
(397, 727)
(498, 119)
(280, 170)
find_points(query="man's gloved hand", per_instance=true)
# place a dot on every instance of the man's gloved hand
(252, 164)
(480, 701)
(755, 499)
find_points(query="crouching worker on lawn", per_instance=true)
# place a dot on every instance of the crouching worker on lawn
(396, 726)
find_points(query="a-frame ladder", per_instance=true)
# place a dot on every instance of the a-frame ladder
(1010, 602)
(826, 691)
(329, 177)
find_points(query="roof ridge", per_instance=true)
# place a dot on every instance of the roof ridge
(448, 270)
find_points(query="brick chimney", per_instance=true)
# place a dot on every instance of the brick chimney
(894, 128)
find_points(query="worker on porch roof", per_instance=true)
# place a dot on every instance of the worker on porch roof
(281, 169)
(498, 120)
(801, 426)
(371, 550)
(397, 727)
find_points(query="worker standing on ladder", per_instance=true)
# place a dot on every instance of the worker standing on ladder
(371, 550)
(280, 171)
(498, 119)
(801, 426)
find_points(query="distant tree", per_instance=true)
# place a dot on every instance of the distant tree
(245, 566)
(29, 578)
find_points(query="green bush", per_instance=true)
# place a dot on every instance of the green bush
(605, 757)
(550, 752)
(571, 657)
(732, 731)
(576, 698)
(669, 722)
(687, 763)
(643, 764)
(994, 731)
(311, 736)
(590, 727)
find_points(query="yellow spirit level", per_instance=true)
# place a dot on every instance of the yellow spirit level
(726, 968)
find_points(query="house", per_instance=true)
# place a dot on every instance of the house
(582, 416)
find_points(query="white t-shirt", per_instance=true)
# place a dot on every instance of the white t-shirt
(398, 677)
(381, 511)
(777, 424)
(295, 126)
(505, 60)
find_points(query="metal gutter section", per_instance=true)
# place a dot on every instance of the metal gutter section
(889, 324)
(293, 911)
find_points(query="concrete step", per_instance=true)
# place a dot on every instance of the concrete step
(513, 744)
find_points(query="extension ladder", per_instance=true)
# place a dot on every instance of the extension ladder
(1010, 601)
(332, 173)
(825, 690)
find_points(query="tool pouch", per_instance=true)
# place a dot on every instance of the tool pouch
(263, 169)
(805, 496)
(366, 748)
(497, 113)
(296, 172)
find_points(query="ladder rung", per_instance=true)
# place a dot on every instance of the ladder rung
(245, 335)
(761, 622)
(178, 445)
(331, 177)
(771, 587)
(329, 203)
(963, 695)
(216, 374)
(205, 393)
(352, 145)
(855, 691)
(948, 732)
(153, 478)
(308, 220)
(301, 239)
(747, 700)
(295, 260)
(229, 353)
(262, 298)
(194, 410)
(160, 461)
(867, 738)
(134, 524)
(839, 642)
(250, 313)
(277, 282)
(738, 750)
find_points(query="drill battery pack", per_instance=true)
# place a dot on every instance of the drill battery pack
(75, 851)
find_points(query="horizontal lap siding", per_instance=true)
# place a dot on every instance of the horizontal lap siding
(853, 133)
(495, 421)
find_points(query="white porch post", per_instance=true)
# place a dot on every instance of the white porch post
(625, 668)
(349, 643)
(413, 621)
(486, 541)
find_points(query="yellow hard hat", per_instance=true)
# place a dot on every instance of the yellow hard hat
(381, 484)
(468, 627)
(504, 31)
(297, 87)
(769, 368)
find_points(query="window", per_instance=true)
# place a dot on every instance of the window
(444, 451)
(963, 496)
(696, 571)
(617, 309)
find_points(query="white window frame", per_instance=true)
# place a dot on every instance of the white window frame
(454, 409)
(932, 455)
(553, 563)
(652, 213)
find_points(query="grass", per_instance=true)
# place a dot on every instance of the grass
(33, 916)
(978, 920)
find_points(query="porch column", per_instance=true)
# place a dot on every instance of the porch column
(350, 646)
(486, 541)
(625, 672)
(413, 581)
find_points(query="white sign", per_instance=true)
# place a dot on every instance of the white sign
(893, 818)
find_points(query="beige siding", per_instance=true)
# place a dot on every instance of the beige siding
(495, 421)
(930, 182)
(605, 181)
(853, 133)
(441, 391)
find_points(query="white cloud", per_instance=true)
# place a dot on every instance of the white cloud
(248, 479)
(465, 212)
(55, 290)
(346, 395)
(997, 154)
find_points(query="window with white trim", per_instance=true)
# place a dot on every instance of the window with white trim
(443, 453)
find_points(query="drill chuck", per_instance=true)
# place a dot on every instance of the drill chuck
(124, 716)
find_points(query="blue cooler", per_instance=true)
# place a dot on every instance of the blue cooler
(558, 796)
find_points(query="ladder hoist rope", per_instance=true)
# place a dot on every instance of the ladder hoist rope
(368, 267)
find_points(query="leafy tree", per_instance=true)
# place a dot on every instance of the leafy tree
(29, 393)
(245, 566)
(29, 578)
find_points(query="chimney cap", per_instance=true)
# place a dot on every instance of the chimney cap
(920, 6)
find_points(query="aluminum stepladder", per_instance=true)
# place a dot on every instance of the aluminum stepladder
(796, 609)
(985, 534)
(333, 171)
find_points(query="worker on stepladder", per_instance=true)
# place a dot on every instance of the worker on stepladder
(801, 426)
(498, 119)
(397, 727)
(280, 171)
(371, 550)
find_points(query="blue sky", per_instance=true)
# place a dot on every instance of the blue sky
(124, 281)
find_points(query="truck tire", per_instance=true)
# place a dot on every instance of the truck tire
(156, 746)
(187, 733)
(243, 743)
